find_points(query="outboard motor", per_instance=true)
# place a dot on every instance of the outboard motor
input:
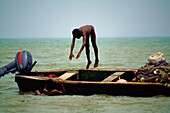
(22, 64)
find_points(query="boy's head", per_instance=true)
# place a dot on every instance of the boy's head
(76, 33)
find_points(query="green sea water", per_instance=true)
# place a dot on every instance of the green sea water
(53, 53)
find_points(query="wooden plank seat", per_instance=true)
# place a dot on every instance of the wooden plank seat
(113, 76)
(66, 75)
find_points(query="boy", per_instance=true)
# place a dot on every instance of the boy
(85, 31)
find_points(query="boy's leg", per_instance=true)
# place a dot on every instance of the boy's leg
(88, 53)
(93, 40)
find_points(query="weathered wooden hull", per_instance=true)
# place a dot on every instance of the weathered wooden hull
(89, 82)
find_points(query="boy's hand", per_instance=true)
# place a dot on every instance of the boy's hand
(78, 55)
(71, 56)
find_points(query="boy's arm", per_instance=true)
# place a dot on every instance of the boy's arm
(71, 49)
(82, 47)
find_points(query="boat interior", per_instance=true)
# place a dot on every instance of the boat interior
(103, 75)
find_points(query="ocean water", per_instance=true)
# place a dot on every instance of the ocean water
(53, 53)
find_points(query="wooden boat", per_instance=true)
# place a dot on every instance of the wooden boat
(89, 82)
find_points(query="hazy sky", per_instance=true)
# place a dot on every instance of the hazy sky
(111, 18)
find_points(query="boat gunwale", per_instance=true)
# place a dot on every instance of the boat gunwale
(83, 69)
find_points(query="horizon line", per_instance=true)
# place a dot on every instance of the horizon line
(97, 37)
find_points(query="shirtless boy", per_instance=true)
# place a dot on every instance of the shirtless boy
(85, 31)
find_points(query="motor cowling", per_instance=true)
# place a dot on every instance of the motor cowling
(23, 61)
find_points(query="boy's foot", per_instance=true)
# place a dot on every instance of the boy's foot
(96, 64)
(88, 64)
